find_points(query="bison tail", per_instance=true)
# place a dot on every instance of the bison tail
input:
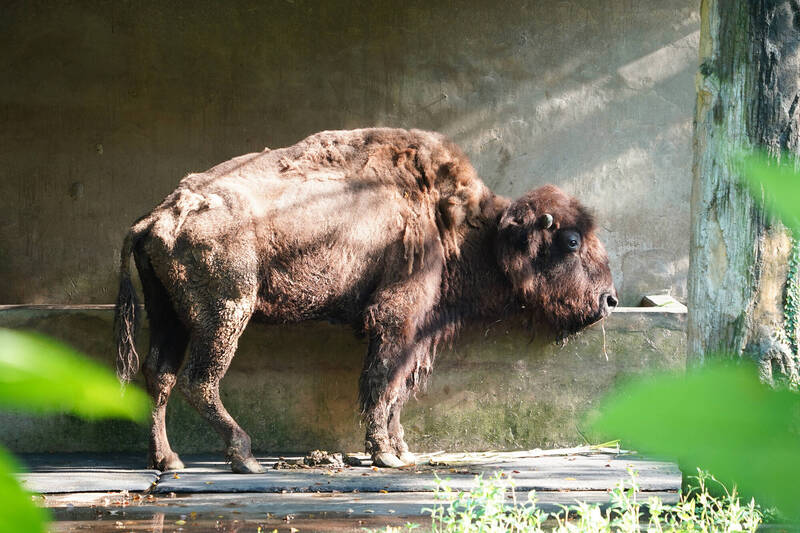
(125, 317)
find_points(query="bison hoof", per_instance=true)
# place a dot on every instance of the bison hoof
(407, 458)
(387, 460)
(171, 462)
(247, 465)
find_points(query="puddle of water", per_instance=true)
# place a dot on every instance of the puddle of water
(123, 512)
(210, 523)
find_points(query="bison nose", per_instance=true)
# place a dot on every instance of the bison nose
(607, 303)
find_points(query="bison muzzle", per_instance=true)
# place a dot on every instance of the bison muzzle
(388, 230)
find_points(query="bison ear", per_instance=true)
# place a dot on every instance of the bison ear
(513, 229)
(517, 214)
(518, 239)
(509, 219)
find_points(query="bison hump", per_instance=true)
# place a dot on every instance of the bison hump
(456, 191)
(431, 175)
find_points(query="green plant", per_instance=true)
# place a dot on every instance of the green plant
(484, 508)
(41, 375)
(18, 511)
(777, 181)
(719, 417)
(791, 305)
(493, 506)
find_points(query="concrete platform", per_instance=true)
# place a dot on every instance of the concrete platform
(87, 506)
(572, 473)
(90, 481)
(74, 481)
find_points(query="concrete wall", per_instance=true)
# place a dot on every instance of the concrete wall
(295, 388)
(104, 106)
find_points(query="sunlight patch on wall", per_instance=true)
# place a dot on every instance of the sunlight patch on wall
(661, 64)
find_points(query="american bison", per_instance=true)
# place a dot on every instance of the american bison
(388, 230)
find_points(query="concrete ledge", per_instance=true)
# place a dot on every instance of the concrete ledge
(208, 497)
(295, 387)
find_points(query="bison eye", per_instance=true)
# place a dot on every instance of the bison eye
(570, 240)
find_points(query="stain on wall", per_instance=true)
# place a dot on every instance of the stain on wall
(106, 105)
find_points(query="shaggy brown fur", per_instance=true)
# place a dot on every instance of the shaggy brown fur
(390, 231)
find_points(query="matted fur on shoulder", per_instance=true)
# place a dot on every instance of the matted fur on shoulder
(429, 171)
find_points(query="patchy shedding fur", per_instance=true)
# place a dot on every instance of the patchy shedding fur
(390, 231)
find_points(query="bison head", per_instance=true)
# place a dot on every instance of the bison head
(547, 248)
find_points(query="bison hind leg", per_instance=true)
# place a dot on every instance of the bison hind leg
(212, 345)
(168, 340)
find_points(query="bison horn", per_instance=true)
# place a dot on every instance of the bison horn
(547, 220)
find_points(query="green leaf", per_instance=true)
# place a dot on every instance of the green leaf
(780, 181)
(18, 513)
(719, 418)
(42, 375)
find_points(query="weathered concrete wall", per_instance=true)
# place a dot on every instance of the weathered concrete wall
(295, 388)
(106, 105)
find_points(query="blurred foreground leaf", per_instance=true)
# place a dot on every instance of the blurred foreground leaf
(780, 182)
(41, 375)
(18, 513)
(719, 418)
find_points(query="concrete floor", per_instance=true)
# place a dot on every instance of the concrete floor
(98, 489)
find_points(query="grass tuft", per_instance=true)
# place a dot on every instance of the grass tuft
(492, 506)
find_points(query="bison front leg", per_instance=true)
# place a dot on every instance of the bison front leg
(377, 396)
(414, 372)
(397, 323)
(390, 375)
(397, 433)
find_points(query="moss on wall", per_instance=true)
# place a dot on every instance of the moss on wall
(295, 388)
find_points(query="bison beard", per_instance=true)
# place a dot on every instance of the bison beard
(390, 231)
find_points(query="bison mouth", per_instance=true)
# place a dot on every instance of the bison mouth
(565, 334)
(566, 330)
